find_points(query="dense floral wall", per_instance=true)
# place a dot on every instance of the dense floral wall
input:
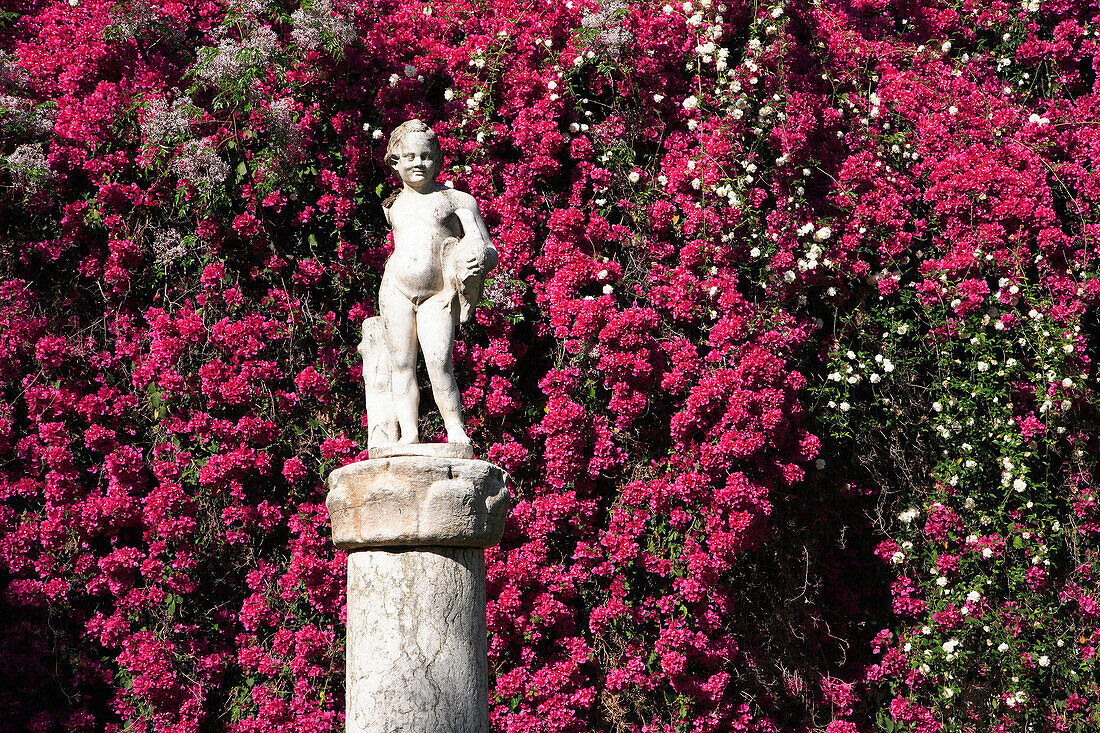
(789, 355)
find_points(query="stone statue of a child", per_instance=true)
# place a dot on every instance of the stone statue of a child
(433, 279)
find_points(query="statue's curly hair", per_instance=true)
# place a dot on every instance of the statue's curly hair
(402, 131)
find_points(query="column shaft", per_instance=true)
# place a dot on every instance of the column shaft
(416, 644)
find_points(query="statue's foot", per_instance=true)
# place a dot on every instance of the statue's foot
(412, 439)
(458, 435)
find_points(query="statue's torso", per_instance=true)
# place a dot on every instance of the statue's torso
(421, 223)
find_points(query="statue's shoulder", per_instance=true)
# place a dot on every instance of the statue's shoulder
(459, 199)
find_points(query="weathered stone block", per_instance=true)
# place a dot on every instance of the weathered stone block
(407, 501)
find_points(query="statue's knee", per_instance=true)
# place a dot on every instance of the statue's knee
(440, 372)
(402, 363)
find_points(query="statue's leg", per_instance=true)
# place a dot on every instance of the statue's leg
(399, 315)
(435, 324)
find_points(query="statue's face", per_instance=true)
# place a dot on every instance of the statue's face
(418, 162)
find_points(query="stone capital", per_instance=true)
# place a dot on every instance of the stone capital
(417, 501)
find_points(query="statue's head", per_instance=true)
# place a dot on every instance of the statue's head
(413, 152)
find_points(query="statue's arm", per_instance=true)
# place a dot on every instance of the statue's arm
(475, 233)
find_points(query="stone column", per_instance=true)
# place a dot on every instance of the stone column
(416, 527)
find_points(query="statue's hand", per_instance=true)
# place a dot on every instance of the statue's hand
(471, 265)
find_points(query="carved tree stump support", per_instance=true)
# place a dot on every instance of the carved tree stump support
(416, 528)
